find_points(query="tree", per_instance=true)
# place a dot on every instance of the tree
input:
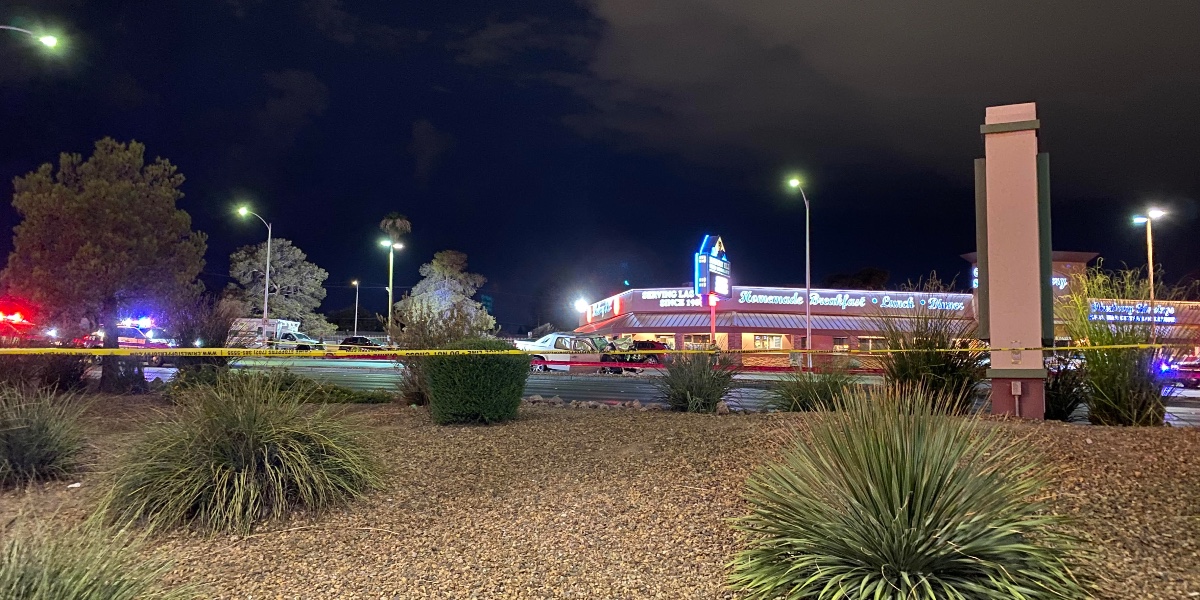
(296, 284)
(103, 235)
(437, 311)
(395, 226)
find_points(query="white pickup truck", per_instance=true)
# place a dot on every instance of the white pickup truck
(572, 347)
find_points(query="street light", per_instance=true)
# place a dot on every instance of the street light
(795, 184)
(1151, 215)
(243, 211)
(581, 305)
(48, 41)
(392, 248)
(355, 284)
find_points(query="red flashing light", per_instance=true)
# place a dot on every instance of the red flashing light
(616, 306)
(13, 318)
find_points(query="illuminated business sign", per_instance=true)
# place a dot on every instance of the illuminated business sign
(713, 274)
(606, 308)
(1115, 311)
(1058, 281)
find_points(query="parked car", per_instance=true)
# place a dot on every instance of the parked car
(1185, 373)
(358, 342)
(646, 352)
(298, 341)
(566, 347)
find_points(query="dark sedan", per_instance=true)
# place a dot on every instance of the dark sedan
(358, 342)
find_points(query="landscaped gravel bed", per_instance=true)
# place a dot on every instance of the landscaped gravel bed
(617, 503)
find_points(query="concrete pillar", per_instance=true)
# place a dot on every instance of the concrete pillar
(1013, 241)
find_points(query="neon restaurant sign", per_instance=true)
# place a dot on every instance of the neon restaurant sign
(1115, 311)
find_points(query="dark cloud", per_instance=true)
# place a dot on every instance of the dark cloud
(427, 147)
(343, 27)
(793, 80)
(298, 96)
(500, 42)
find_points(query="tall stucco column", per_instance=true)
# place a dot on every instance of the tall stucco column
(1014, 240)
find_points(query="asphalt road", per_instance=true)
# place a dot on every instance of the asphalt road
(1183, 407)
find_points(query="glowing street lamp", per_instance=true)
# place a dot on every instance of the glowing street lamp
(356, 288)
(243, 211)
(48, 41)
(581, 305)
(796, 184)
(1151, 215)
(392, 248)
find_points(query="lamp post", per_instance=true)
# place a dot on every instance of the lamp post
(356, 288)
(392, 248)
(795, 184)
(243, 211)
(48, 41)
(1151, 215)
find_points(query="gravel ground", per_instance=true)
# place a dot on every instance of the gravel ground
(619, 503)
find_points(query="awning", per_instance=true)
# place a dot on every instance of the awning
(744, 321)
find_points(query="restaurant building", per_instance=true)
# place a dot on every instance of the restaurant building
(773, 318)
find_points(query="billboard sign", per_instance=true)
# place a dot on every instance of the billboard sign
(713, 274)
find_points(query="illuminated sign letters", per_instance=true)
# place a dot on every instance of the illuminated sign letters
(713, 273)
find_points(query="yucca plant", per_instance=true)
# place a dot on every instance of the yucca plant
(40, 435)
(237, 453)
(802, 390)
(890, 497)
(87, 563)
(697, 382)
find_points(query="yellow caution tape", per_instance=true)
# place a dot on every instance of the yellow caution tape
(387, 353)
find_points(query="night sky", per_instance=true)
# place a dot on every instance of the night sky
(569, 146)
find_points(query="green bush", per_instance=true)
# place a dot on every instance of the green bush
(62, 371)
(237, 453)
(468, 388)
(40, 435)
(83, 564)
(696, 382)
(890, 497)
(802, 390)
(1066, 390)
(1124, 385)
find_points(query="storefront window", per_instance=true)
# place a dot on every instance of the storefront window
(871, 343)
(841, 344)
(768, 342)
(697, 341)
(668, 339)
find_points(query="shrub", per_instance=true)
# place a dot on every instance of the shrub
(889, 497)
(1124, 385)
(802, 390)
(921, 337)
(696, 382)
(61, 371)
(468, 388)
(1066, 390)
(40, 435)
(237, 453)
(83, 564)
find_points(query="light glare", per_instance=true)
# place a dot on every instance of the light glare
(48, 40)
(1140, 220)
(243, 211)
(581, 305)
(1156, 213)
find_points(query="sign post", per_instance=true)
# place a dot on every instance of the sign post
(712, 280)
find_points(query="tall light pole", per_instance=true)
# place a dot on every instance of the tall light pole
(795, 184)
(1151, 215)
(356, 288)
(48, 41)
(243, 211)
(392, 248)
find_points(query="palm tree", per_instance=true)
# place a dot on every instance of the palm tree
(395, 225)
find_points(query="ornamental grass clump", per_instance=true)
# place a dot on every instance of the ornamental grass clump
(697, 382)
(40, 434)
(802, 390)
(237, 453)
(890, 497)
(87, 563)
